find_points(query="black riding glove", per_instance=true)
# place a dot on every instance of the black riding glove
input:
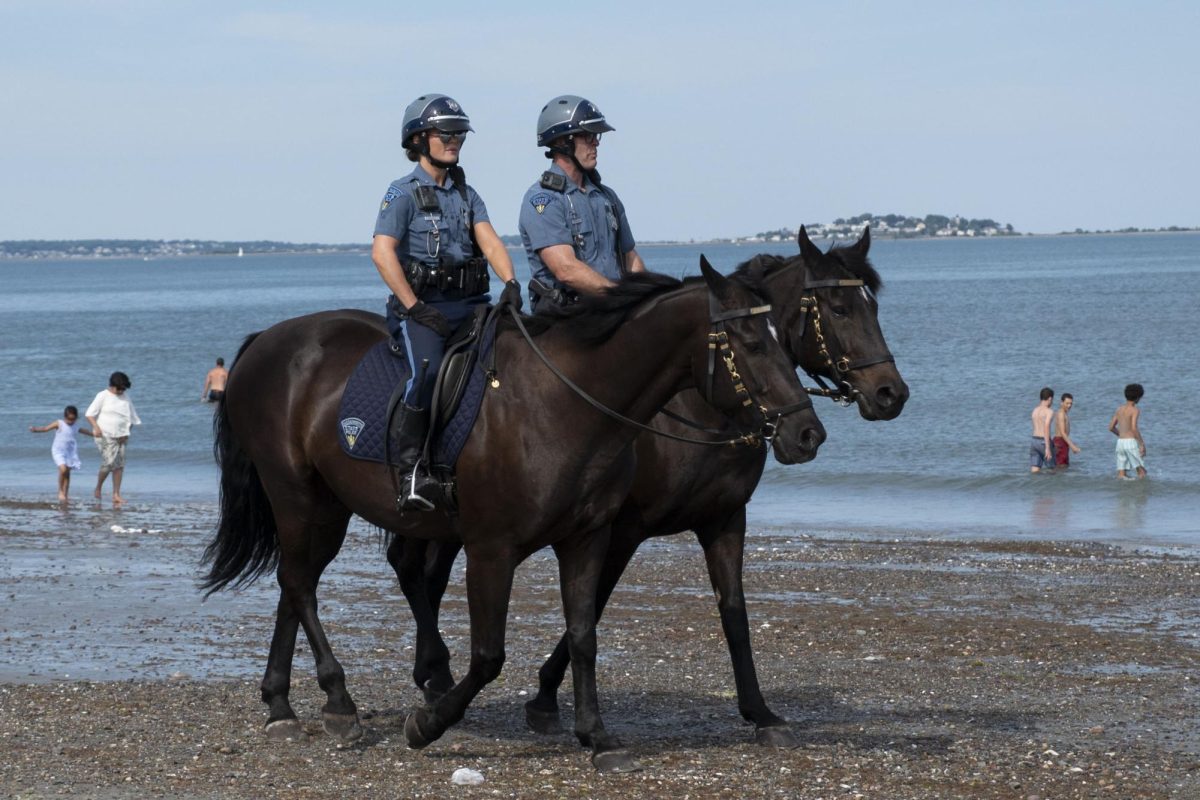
(430, 317)
(511, 296)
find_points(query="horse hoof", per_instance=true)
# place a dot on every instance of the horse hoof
(285, 730)
(779, 736)
(413, 733)
(342, 726)
(542, 721)
(615, 761)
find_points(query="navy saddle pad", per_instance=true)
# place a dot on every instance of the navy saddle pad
(379, 380)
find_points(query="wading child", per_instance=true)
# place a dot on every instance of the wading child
(64, 449)
(1131, 450)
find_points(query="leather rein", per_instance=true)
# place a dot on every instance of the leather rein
(718, 344)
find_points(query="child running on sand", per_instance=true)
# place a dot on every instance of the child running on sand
(64, 450)
(1131, 450)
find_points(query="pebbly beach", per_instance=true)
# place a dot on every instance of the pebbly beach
(908, 667)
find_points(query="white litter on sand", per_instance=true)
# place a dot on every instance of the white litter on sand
(465, 776)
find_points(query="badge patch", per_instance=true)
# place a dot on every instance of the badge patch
(540, 200)
(391, 195)
(352, 427)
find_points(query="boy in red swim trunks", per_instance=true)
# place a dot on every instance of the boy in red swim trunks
(1063, 446)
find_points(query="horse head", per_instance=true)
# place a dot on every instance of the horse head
(826, 305)
(747, 373)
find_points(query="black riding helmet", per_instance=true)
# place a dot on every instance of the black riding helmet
(432, 112)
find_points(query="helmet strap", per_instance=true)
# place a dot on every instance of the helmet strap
(567, 150)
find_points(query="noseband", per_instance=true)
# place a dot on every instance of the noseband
(718, 340)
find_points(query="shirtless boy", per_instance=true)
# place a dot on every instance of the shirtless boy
(1063, 446)
(1131, 450)
(1041, 452)
(214, 383)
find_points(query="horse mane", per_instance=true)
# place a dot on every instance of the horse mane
(595, 318)
(848, 256)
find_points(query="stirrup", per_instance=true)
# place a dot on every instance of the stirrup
(414, 501)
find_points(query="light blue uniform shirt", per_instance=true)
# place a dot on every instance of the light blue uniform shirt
(583, 218)
(425, 235)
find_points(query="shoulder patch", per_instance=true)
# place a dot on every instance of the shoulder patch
(392, 194)
(540, 200)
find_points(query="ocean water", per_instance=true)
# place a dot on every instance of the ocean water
(977, 328)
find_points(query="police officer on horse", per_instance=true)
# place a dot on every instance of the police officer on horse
(432, 246)
(574, 229)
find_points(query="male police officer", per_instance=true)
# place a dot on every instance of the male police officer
(573, 227)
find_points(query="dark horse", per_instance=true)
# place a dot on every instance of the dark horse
(540, 468)
(825, 308)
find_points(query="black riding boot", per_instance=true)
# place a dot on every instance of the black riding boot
(420, 490)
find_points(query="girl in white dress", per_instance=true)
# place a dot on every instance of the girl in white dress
(64, 450)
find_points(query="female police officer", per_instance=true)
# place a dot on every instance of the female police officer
(432, 244)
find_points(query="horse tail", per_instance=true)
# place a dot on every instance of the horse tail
(245, 545)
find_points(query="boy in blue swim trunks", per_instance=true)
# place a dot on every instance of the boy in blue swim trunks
(1131, 450)
(1041, 451)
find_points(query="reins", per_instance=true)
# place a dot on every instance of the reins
(718, 340)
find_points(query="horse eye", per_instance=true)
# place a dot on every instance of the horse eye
(839, 311)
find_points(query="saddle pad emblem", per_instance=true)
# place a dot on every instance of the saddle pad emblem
(351, 428)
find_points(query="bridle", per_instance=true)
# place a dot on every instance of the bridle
(841, 367)
(718, 343)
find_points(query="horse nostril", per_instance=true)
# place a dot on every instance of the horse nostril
(885, 397)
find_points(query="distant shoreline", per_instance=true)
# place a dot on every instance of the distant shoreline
(152, 250)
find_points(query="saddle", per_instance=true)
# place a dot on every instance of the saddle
(376, 387)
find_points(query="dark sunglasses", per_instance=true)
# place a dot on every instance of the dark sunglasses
(589, 138)
(447, 137)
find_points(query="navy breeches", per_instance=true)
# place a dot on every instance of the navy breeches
(421, 344)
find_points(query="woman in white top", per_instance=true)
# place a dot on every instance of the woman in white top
(112, 415)
(64, 450)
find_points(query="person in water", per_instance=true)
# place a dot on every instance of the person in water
(64, 450)
(112, 416)
(214, 383)
(1041, 451)
(1131, 449)
(1063, 446)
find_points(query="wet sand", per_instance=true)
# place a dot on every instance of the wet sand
(909, 669)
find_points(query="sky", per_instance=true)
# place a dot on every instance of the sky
(174, 119)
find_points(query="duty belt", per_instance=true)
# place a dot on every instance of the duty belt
(468, 277)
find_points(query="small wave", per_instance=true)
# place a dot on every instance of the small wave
(781, 477)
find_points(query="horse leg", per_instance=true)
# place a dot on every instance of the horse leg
(423, 570)
(580, 561)
(489, 588)
(281, 720)
(723, 546)
(306, 548)
(541, 713)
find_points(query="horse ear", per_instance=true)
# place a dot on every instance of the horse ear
(807, 249)
(718, 284)
(864, 242)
